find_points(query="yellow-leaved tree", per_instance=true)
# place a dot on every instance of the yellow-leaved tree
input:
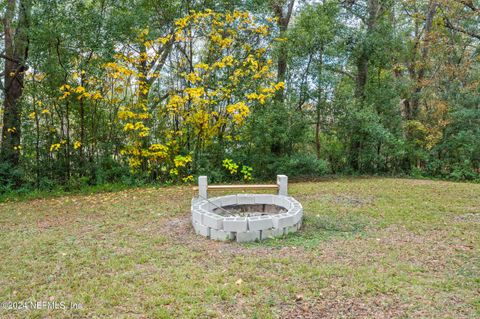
(219, 70)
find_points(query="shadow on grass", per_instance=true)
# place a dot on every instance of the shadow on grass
(316, 229)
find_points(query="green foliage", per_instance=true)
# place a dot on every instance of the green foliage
(246, 172)
(368, 89)
(302, 165)
(233, 171)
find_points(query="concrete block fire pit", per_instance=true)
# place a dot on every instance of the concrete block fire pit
(245, 217)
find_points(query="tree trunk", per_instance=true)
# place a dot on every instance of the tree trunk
(415, 103)
(363, 60)
(16, 52)
(283, 12)
(319, 104)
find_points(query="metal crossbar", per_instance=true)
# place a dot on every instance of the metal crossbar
(228, 212)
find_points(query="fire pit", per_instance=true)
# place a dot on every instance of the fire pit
(245, 217)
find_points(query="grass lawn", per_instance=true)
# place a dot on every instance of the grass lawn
(369, 248)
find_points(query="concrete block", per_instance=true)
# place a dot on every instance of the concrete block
(291, 229)
(201, 229)
(197, 216)
(216, 201)
(278, 200)
(299, 225)
(235, 224)
(282, 201)
(297, 214)
(229, 200)
(282, 220)
(248, 236)
(202, 187)
(271, 233)
(260, 222)
(196, 200)
(282, 182)
(207, 206)
(264, 199)
(243, 199)
(296, 205)
(289, 202)
(197, 205)
(212, 220)
(220, 235)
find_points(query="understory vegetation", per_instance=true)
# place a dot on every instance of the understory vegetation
(139, 92)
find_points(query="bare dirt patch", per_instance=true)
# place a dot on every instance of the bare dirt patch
(334, 306)
(469, 218)
(355, 201)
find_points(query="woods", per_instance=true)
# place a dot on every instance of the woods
(108, 91)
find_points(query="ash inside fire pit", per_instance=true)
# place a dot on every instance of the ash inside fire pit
(248, 210)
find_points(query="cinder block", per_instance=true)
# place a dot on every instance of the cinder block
(248, 236)
(287, 202)
(296, 208)
(295, 204)
(264, 199)
(220, 235)
(202, 187)
(244, 199)
(208, 206)
(299, 224)
(296, 213)
(229, 200)
(215, 202)
(291, 229)
(282, 220)
(235, 224)
(196, 200)
(281, 201)
(197, 205)
(282, 182)
(277, 200)
(271, 233)
(212, 220)
(201, 229)
(260, 222)
(197, 216)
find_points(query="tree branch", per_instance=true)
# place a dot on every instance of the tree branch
(449, 25)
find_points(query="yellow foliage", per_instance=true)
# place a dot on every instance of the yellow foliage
(208, 101)
(129, 127)
(193, 77)
(80, 89)
(181, 161)
(55, 147)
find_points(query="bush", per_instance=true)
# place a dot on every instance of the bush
(10, 177)
(303, 165)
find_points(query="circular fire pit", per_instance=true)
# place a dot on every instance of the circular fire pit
(246, 217)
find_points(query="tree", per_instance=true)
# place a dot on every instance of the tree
(15, 22)
(283, 10)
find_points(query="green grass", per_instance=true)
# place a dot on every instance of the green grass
(369, 248)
